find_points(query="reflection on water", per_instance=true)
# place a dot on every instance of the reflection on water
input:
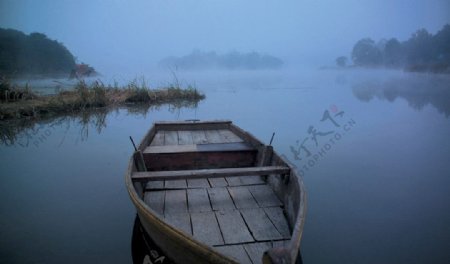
(24, 132)
(143, 249)
(419, 90)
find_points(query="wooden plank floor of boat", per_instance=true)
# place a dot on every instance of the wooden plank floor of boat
(240, 217)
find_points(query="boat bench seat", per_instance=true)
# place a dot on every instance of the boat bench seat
(208, 173)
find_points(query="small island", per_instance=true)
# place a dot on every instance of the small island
(199, 60)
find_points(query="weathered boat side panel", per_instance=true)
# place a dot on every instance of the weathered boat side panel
(206, 228)
(233, 227)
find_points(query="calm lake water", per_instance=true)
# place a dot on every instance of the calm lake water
(373, 148)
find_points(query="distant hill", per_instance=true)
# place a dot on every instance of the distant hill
(33, 54)
(199, 60)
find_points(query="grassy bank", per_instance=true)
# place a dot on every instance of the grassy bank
(21, 102)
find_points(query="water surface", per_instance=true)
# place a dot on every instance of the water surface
(373, 149)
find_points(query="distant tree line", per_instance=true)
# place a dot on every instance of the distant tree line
(421, 52)
(32, 54)
(232, 60)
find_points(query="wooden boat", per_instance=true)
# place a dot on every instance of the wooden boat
(210, 192)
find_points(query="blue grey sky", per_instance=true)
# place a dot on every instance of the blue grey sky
(138, 33)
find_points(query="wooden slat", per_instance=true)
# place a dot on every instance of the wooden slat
(233, 227)
(252, 180)
(175, 202)
(229, 136)
(264, 195)
(198, 183)
(214, 136)
(175, 184)
(208, 173)
(218, 182)
(158, 139)
(234, 181)
(151, 185)
(260, 225)
(206, 229)
(220, 199)
(256, 251)
(198, 200)
(185, 138)
(181, 221)
(201, 125)
(199, 137)
(215, 147)
(278, 219)
(236, 252)
(170, 138)
(242, 197)
(155, 200)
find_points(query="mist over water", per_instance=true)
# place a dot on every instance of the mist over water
(371, 144)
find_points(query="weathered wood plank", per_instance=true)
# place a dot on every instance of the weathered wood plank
(182, 125)
(208, 173)
(234, 181)
(181, 221)
(264, 195)
(199, 137)
(218, 182)
(214, 136)
(242, 197)
(229, 136)
(185, 137)
(175, 184)
(233, 227)
(175, 202)
(236, 252)
(170, 138)
(215, 147)
(151, 185)
(256, 251)
(155, 200)
(158, 139)
(278, 219)
(198, 183)
(260, 225)
(220, 199)
(252, 180)
(206, 229)
(198, 200)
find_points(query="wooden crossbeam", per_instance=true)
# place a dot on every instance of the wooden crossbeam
(208, 173)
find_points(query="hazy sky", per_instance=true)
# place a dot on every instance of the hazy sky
(138, 33)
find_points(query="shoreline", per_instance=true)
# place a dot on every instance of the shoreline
(22, 103)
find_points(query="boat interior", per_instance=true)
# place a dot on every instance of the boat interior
(214, 184)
